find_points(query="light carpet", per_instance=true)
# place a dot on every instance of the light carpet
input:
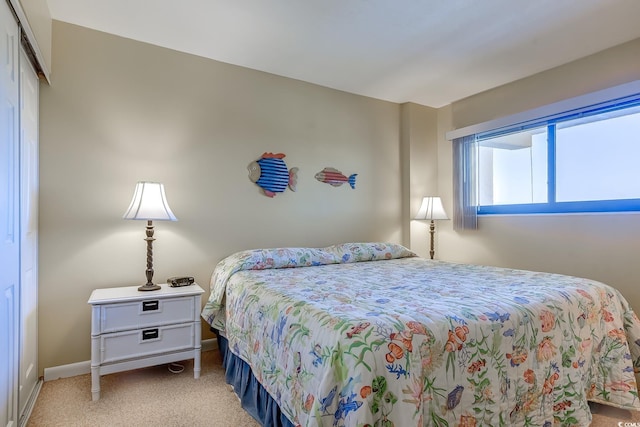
(143, 397)
(155, 397)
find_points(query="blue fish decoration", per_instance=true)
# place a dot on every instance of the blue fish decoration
(270, 173)
(345, 406)
(495, 316)
(328, 400)
(317, 355)
(453, 399)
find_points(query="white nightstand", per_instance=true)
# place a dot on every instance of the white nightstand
(131, 329)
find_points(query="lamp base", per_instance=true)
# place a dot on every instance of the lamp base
(149, 287)
(432, 230)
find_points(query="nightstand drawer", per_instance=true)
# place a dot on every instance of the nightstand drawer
(148, 312)
(146, 342)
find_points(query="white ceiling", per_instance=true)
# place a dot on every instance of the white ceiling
(431, 52)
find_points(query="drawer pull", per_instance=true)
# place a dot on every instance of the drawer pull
(150, 305)
(149, 334)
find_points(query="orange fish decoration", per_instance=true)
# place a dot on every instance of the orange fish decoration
(397, 349)
(562, 406)
(549, 383)
(308, 403)
(355, 330)
(395, 352)
(456, 338)
(476, 366)
(336, 178)
(619, 386)
(417, 328)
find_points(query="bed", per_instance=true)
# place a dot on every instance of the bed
(369, 334)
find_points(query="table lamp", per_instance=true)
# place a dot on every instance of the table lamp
(431, 209)
(149, 203)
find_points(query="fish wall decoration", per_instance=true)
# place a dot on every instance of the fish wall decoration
(270, 173)
(333, 176)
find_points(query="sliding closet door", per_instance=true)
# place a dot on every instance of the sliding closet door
(29, 101)
(9, 217)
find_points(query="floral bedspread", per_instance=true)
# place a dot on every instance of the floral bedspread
(405, 341)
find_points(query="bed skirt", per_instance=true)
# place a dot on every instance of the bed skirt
(253, 397)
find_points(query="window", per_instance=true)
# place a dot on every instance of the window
(580, 162)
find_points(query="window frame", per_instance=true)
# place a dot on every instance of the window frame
(552, 206)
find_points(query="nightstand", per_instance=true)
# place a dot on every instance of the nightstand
(131, 329)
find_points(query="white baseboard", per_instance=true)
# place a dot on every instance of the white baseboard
(66, 371)
(82, 368)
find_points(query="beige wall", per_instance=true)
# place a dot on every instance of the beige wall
(611, 67)
(419, 125)
(119, 111)
(603, 247)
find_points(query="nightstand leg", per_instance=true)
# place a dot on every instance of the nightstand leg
(95, 368)
(95, 383)
(196, 364)
(198, 351)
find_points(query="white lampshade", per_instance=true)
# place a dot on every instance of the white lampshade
(431, 208)
(149, 203)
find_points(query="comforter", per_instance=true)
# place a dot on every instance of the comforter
(368, 334)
